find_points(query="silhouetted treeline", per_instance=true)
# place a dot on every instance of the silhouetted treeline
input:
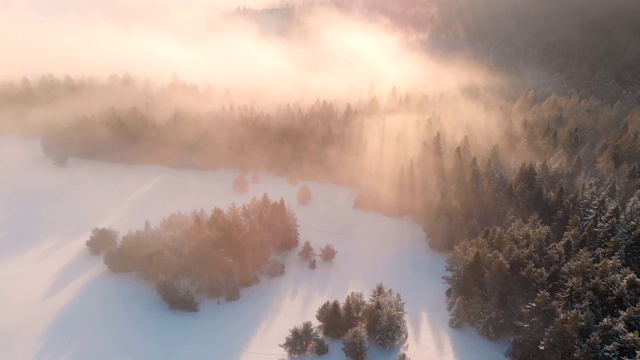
(204, 255)
(588, 46)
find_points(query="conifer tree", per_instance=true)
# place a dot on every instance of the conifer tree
(355, 344)
(328, 253)
(307, 251)
(354, 308)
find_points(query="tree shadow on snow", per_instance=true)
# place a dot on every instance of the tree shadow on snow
(118, 316)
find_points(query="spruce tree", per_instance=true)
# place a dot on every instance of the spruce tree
(328, 253)
(355, 344)
(353, 309)
(333, 324)
(307, 251)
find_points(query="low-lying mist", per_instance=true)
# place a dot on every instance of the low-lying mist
(313, 92)
(285, 54)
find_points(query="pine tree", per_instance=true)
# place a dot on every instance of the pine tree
(328, 253)
(323, 312)
(307, 251)
(355, 344)
(333, 324)
(385, 317)
(353, 309)
(304, 340)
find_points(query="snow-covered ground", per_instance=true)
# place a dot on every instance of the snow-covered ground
(57, 301)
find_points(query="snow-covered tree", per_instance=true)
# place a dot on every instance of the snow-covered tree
(355, 344)
(304, 340)
(385, 317)
(353, 309)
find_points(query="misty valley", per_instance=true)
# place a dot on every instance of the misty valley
(361, 179)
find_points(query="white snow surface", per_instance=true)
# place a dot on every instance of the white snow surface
(57, 301)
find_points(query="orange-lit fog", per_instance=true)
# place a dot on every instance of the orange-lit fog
(318, 53)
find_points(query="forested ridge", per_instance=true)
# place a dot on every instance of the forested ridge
(536, 192)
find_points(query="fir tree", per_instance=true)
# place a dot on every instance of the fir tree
(332, 321)
(353, 310)
(328, 253)
(307, 251)
(304, 340)
(355, 344)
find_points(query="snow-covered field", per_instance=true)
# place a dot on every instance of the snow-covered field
(57, 301)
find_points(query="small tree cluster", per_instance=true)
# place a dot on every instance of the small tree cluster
(102, 240)
(328, 253)
(382, 316)
(330, 315)
(305, 340)
(216, 254)
(381, 319)
(304, 195)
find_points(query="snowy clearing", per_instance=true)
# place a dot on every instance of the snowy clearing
(57, 301)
